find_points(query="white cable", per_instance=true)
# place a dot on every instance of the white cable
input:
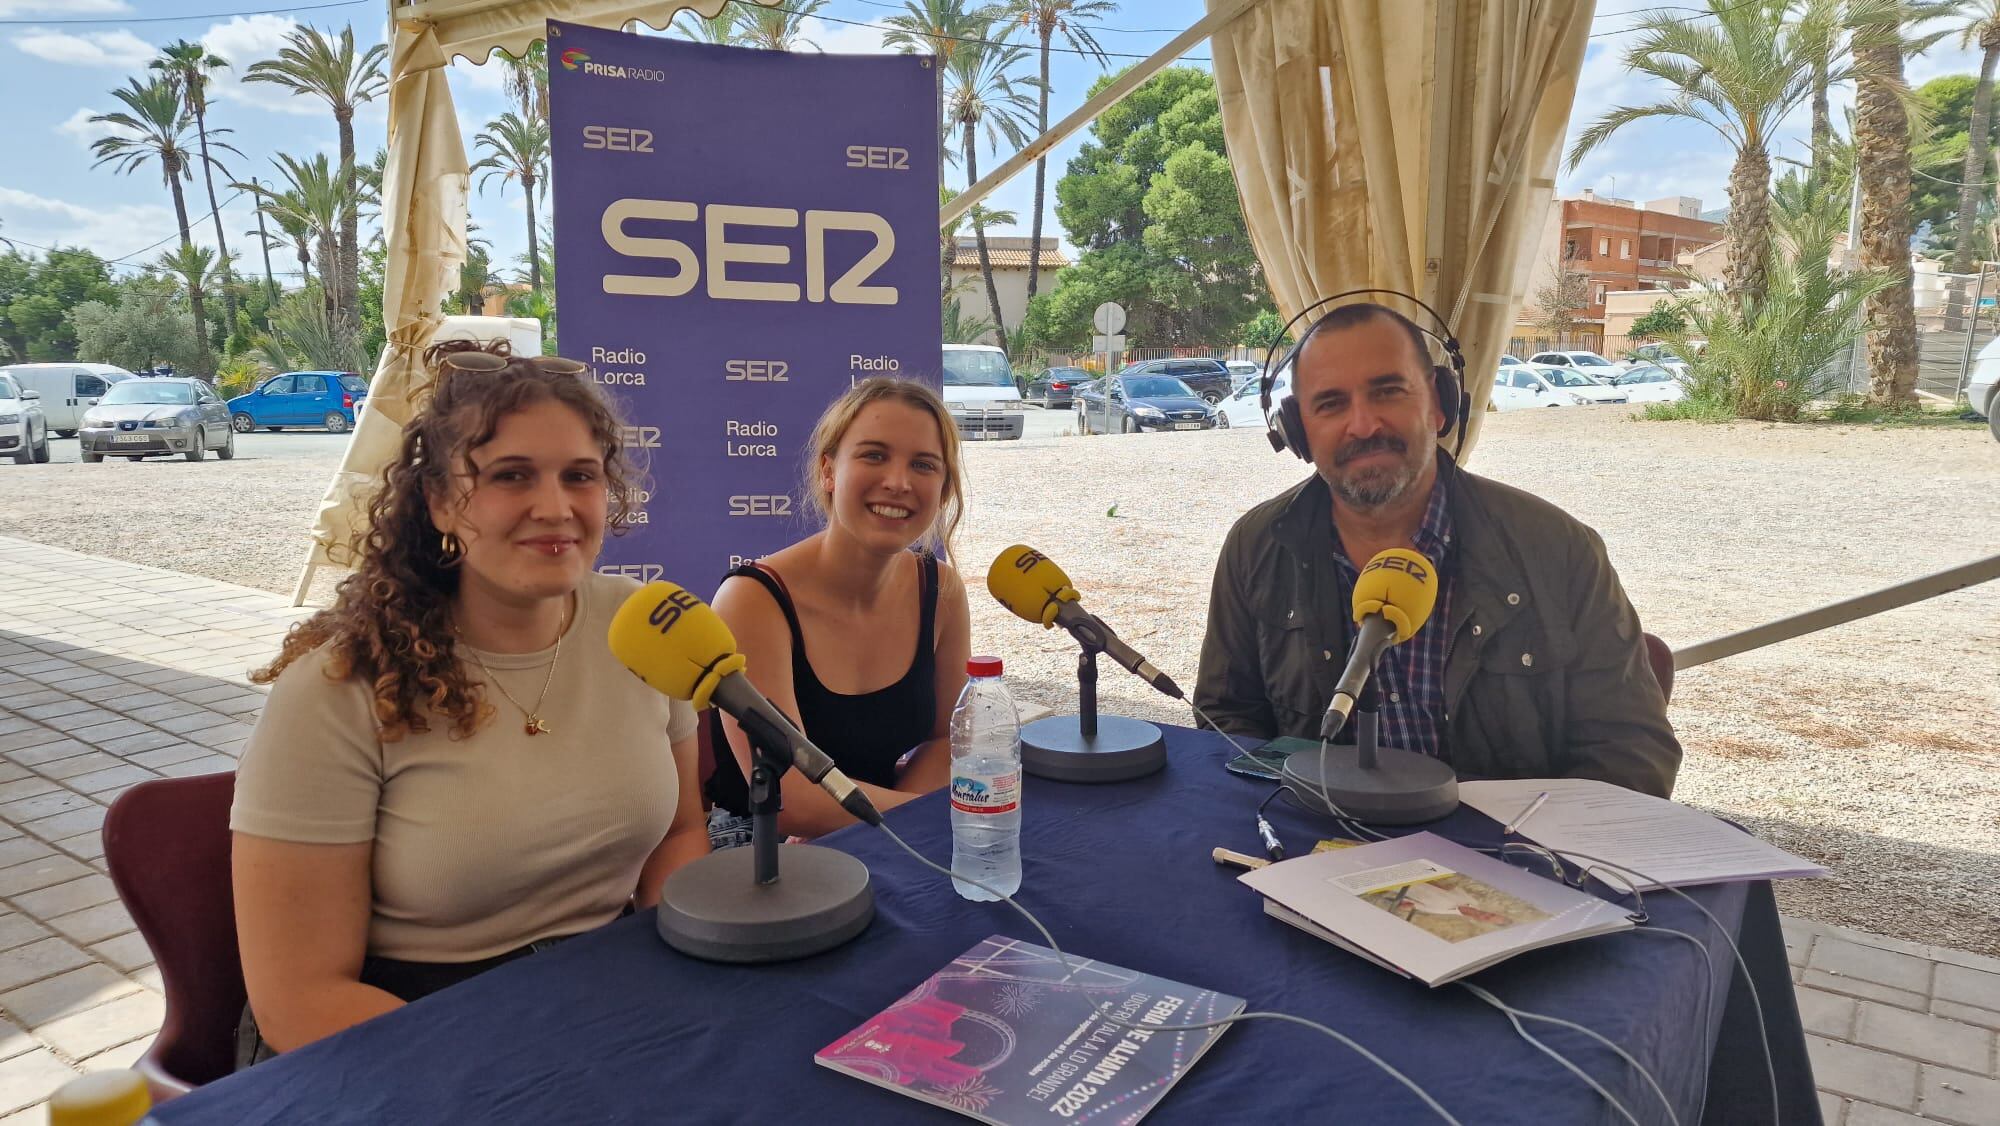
(1355, 828)
(1551, 1052)
(1489, 998)
(1106, 1015)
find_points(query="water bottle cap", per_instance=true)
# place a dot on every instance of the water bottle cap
(983, 666)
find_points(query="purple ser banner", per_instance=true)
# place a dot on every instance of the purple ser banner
(744, 235)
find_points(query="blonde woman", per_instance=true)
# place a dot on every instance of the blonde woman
(859, 632)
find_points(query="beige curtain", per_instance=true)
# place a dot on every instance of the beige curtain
(1408, 144)
(424, 217)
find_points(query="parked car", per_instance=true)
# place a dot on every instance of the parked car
(301, 398)
(166, 415)
(1055, 387)
(1983, 391)
(24, 429)
(1651, 383)
(67, 389)
(1656, 355)
(979, 389)
(1210, 381)
(1130, 404)
(1244, 371)
(1245, 406)
(1519, 386)
(1589, 363)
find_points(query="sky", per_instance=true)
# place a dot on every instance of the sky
(60, 59)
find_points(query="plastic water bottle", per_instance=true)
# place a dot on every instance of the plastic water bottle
(986, 783)
(103, 1098)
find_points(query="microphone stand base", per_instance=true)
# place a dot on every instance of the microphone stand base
(1403, 788)
(714, 909)
(1121, 750)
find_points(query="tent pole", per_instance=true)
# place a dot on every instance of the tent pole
(1084, 114)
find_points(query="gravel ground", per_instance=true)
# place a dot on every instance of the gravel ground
(1873, 748)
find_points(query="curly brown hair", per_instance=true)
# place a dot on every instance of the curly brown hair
(390, 623)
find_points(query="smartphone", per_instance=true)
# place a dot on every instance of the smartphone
(1267, 762)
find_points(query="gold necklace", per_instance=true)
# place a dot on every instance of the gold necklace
(535, 725)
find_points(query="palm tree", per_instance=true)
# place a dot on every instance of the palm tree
(527, 79)
(311, 205)
(327, 68)
(719, 29)
(940, 29)
(266, 241)
(948, 234)
(775, 29)
(1981, 25)
(1739, 72)
(476, 276)
(1819, 22)
(961, 327)
(980, 90)
(195, 267)
(152, 127)
(186, 67)
(1046, 18)
(518, 150)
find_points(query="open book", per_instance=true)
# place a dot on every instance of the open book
(1427, 908)
(1005, 1034)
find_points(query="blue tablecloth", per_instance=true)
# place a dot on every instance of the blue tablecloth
(615, 1027)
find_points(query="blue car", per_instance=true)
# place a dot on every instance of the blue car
(301, 398)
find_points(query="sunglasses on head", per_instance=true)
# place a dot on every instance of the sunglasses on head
(487, 362)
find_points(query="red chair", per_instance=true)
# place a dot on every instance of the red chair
(166, 843)
(1662, 659)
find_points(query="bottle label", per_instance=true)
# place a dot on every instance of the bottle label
(999, 793)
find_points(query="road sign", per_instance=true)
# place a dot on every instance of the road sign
(1108, 343)
(1109, 318)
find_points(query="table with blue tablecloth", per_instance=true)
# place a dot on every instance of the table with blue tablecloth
(614, 1026)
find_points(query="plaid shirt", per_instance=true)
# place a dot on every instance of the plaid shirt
(1410, 676)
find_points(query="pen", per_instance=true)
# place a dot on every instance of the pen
(1238, 860)
(1514, 826)
(1271, 844)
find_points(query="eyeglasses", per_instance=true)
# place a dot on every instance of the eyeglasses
(489, 362)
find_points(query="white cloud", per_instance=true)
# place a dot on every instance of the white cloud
(842, 38)
(486, 78)
(119, 48)
(16, 9)
(78, 127)
(110, 231)
(243, 41)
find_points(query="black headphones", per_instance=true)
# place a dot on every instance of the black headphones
(1288, 432)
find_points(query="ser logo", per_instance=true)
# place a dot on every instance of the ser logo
(878, 156)
(642, 437)
(615, 138)
(760, 505)
(1029, 560)
(757, 371)
(1410, 567)
(671, 608)
(644, 572)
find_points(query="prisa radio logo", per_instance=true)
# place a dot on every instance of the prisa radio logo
(574, 59)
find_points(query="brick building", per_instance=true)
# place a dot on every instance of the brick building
(1615, 245)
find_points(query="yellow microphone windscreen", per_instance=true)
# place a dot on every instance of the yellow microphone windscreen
(1028, 583)
(1402, 586)
(674, 642)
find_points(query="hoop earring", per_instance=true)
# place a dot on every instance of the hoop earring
(451, 550)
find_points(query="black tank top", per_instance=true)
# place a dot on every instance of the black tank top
(865, 735)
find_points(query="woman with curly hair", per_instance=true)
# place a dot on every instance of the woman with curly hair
(453, 770)
(858, 631)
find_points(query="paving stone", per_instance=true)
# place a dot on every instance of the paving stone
(116, 1022)
(1858, 1073)
(208, 764)
(17, 929)
(94, 924)
(83, 720)
(82, 988)
(43, 753)
(68, 705)
(1869, 1114)
(90, 680)
(26, 788)
(1828, 1014)
(1928, 1038)
(1832, 1108)
(196, 721)
(47, 871)
(49, 902)
(1869, 963)
(87, 847)
(115, 778)
(22, 740)
(20, 850)
(169, 755)
(1953, 1096)
(123, 1057)
(86, 763)
(130, 745)
(1968, 987)
(14, 1041)
(65, 825)
(128, 952)
(149, 976)
(1866, 990)
(156, 712)
(37, 960)
(1967, 1014)
(102, 733)
(23, 810)
(30, 1078)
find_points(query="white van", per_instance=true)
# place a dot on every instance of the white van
(979, 388)
(68, 389)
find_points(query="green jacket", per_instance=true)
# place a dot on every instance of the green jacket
(1546, 672)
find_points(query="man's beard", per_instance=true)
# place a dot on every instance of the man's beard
(1377, 486)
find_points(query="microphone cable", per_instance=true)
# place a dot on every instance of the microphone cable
(1105, 1014)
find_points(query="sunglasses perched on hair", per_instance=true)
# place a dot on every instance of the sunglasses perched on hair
(487, 362)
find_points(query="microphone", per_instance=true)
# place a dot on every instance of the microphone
(1393, 598)
(677, 644)
(1028, 583)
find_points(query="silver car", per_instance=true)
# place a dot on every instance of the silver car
(147, 417)
(24, 429)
